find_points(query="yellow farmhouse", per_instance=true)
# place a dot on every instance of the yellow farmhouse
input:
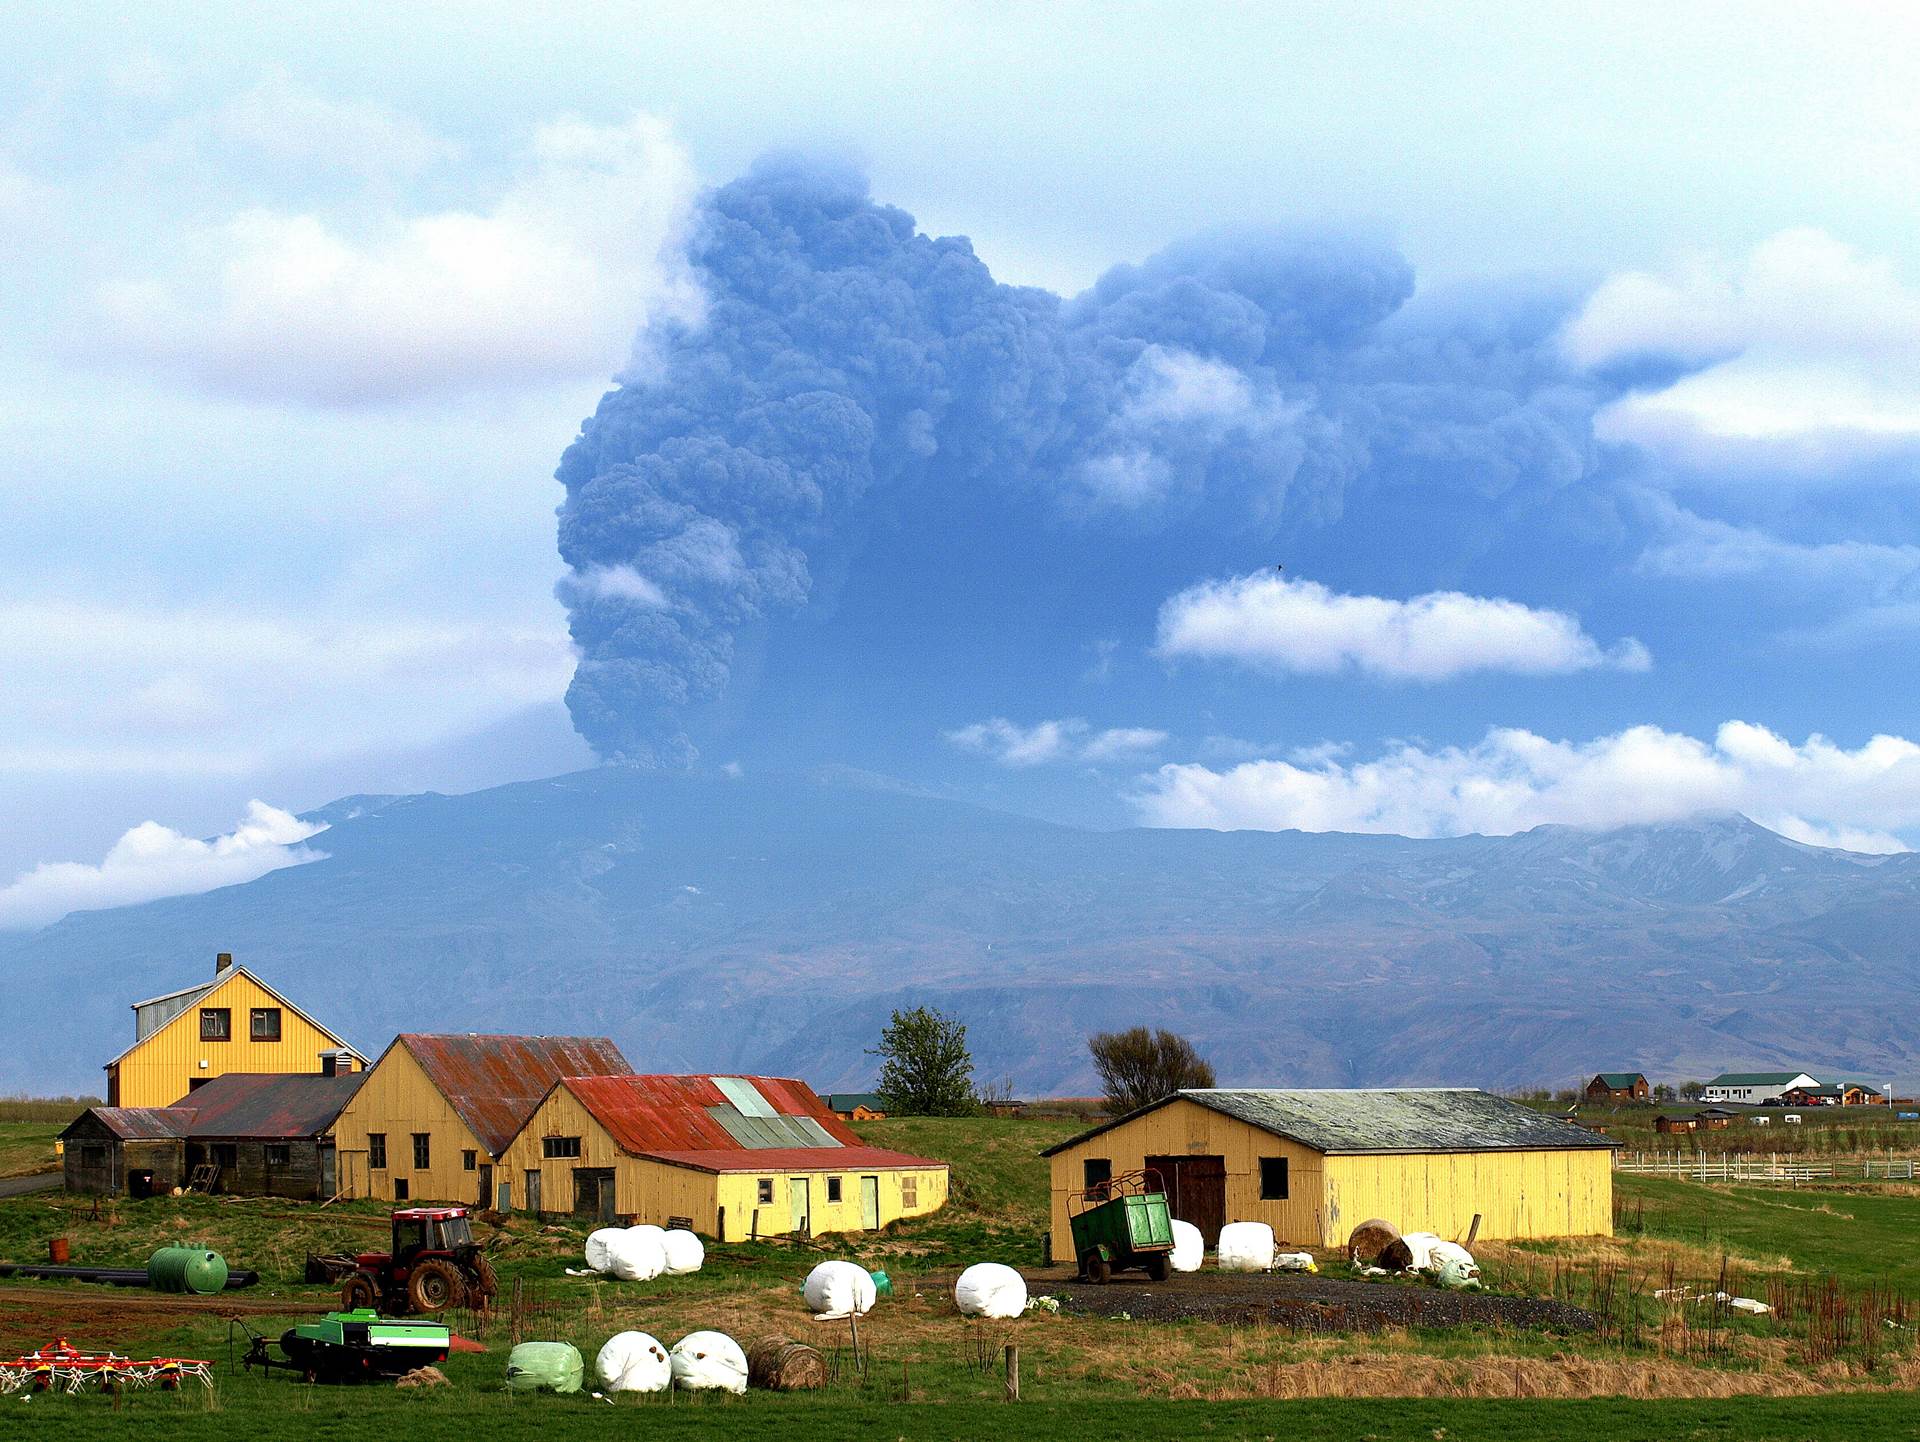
(436, 1112)
(729, 1156)
(1316, 1163)
(233, 1023)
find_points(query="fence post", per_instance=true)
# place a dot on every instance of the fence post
(1013, 1372)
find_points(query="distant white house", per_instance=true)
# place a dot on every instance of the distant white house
(1756, 1087)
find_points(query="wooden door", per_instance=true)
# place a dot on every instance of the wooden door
(329, 1173)
(870, 1203)
(593, 1193)
(1196, 1191)
(533, 1189)
(486, 1184)
(799, 1194)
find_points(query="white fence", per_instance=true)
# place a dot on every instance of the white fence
(1744, 1167)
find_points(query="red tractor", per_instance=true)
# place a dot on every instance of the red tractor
(434, 1264)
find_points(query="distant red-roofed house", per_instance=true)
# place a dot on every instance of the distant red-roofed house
(437, 1111)
(732, 1156)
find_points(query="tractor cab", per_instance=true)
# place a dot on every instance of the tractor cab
(429, 1229)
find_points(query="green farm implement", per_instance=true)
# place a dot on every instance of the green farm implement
(1120, 1223)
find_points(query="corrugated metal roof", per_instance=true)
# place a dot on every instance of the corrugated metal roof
(1756, 1078)
(268, 1104)
(1435, 1119)
(494, 1082)
(796, 1159)
(137, 1124)
(692, 1115)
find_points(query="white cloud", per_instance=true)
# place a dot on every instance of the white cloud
(153, 861)
(227, 691)
(1273, 623)
(1512, 780)
(1808, 355)
(292, 126)
(1045, 742)
(547, 283)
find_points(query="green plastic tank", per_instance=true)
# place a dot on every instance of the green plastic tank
(187, 1269)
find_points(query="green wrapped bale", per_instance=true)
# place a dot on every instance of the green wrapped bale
(187, 1269)
(544, 1367)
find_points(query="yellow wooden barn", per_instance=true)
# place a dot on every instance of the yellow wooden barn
(729, 1156)
(233, 1023)
(1316, 1163)
(437, 1110)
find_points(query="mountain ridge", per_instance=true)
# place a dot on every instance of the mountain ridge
(769, 924)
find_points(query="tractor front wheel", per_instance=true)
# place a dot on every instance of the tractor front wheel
(359, 1291)
(435, 1286)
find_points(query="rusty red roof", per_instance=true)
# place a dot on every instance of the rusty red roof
(795, 1159)
(493, 1083)
(268, 1104)
(692, 1121)
(136, 1124)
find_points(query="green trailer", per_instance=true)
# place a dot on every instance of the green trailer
(1121, 1223)
(356, 1346)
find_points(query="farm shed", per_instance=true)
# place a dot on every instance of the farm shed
(1315, 1163)
(233, 1023)
(856, 1106)
(1668, 1126)
(732, 1156)
(437, 1111)
(1618, 1086)
(267, 1136)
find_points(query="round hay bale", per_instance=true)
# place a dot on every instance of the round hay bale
(781, 1365)
(1369, 1240)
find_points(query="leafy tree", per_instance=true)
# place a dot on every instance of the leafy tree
(1663, 1091)
(1693, 1090)
(925, 1068)
(1138, 1067)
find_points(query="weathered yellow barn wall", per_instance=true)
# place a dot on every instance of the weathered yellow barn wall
(1518, 1194)
(398, 1099)
(1185, 1128)
(652, 1191)
(160, 1070)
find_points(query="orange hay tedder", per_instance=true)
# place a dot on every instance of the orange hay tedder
(58, 1367)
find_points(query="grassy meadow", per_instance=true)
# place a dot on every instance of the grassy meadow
(1836, 1363)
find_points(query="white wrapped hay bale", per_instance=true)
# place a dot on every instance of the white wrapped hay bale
(708, 1362)
(1420, 1247)
(839, 1289)
(1189, 1247)
(600, 1248)
(633, 1362)
(1245, 1247)
(685, 1252)
(1294, 1262)
(1444, 1254)
(988, 1289)
(635, 1257)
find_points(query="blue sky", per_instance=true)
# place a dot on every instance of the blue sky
(1569, 363)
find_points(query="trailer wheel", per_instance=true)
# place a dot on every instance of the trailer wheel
(1096, 1268)
(1158, 1267)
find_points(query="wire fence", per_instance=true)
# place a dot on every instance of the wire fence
(1772, 1168)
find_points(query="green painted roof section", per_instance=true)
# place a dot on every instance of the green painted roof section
(1620, 1080)
(1426, 1119)
(847, 1101)
(1756, 1078)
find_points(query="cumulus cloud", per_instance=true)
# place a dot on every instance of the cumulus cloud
(152, 861)
(545, 282)
(1276, 623)
(1513, 779)
(1045, 742)
(1803, 352)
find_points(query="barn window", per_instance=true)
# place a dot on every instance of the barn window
(833, 1189)
(377, 1151)
(263, 1023)
(400, 1189)
(1273, 1179)
(909, 1191)
(1096, 1172)
(766, 1191)
(422, 1151)
(216, 1023)
(468, 1160)
(278, 1154)
(563, 1148)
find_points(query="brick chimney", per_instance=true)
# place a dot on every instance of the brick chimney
(223, 963)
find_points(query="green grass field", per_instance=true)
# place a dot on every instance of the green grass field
(1082, 1376)
(27, 1147)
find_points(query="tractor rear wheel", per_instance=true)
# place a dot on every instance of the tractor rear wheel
(359, 1290)
(435, 1285)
